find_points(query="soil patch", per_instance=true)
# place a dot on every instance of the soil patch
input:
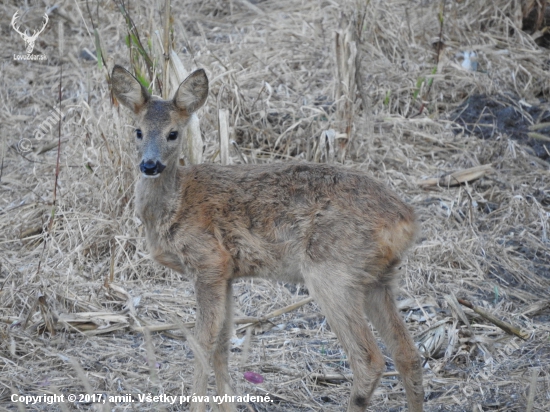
(490, 117)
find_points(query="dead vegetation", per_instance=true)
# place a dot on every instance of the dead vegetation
(370, 84)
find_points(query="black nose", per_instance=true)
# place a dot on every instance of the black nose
(151, 168)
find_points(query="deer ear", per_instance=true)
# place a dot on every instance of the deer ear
(192, 92)
(128, 90)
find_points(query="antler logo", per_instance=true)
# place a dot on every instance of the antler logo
(29, 40)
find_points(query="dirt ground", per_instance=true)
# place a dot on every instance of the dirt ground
(387, 87)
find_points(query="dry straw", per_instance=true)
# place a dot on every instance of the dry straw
(83, 308)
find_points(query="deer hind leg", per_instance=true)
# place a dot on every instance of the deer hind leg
(221, 353)
(382, 311)
(211, 325)
(343, 307)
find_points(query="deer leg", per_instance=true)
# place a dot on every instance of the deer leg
(342, 304)
(211, 292)
(221, 353)
(382, 311)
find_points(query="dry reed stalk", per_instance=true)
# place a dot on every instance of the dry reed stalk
(532, 390)
(223, 133)
(347, 62)
(166, 50)
(194, 145)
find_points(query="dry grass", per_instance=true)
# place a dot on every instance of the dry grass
(76, 289)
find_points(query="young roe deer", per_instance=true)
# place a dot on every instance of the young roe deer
(336, 230)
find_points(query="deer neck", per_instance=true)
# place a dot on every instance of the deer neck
(156, 198)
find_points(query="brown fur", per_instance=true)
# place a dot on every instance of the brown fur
(338, 231)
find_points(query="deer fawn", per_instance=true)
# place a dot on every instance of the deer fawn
(338, 231)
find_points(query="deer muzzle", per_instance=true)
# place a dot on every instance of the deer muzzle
(151, 168)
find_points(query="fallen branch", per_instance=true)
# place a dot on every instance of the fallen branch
(278, 312)
(458, 177)
(506, 327)
(247, 320)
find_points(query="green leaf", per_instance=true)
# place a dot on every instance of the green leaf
(387, 98)
(143, 80)
(418, 86)
(135, 40)
(98, 50)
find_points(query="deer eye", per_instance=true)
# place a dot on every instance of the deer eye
(173, 135)
(139, 135)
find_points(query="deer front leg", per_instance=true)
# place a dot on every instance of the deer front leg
(221, 353)
(212, 294)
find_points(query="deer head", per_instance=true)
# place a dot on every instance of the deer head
(29, 40)
(161, 123)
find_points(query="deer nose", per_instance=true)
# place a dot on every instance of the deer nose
(151, 168)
